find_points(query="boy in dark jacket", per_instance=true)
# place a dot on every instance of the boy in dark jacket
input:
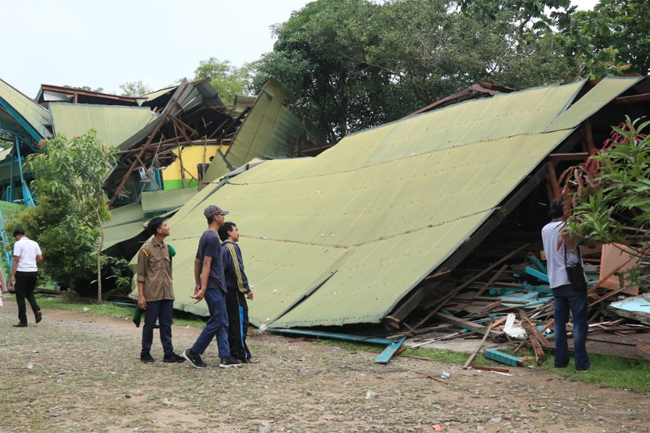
(238, 292)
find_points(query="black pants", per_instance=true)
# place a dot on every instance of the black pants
(237, 308)
(163, 311)
(25, 285)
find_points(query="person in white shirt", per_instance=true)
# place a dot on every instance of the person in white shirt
(567, 298)
(27, 254)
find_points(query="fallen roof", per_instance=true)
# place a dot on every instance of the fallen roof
(18, 112)
(343, 237)
(113, 123)
(166, 199)
(268, 131)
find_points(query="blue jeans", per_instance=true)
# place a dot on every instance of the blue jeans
(163, 311)
(568, 300)
(217, 325)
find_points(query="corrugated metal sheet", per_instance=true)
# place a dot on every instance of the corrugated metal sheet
(269, 131)
(188, 98)
(34, 114)
(346, 235)
(608, 89)
(126, 222)
(164, 200)
(113, 123)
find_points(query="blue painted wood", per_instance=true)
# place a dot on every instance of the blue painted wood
(538, 264)
(389, 351)
(537, 274)
(501, 357)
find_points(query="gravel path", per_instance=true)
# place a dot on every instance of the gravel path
(77, 372)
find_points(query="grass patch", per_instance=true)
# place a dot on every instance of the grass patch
(609, 371)
(108, 309)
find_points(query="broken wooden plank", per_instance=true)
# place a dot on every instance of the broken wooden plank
(389, 351)
(471, 358)
(466, 324)
(501, 357)
(485, 368)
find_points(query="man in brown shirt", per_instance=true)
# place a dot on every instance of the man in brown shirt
(155, 291)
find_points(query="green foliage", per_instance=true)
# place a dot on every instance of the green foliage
(226, 79)
(68, 180)
(356, 64)
(135, 88)
(608, 197)
(613, 38)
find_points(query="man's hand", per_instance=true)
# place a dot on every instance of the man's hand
(142, 302)
(12, 280)
(199, 296)
(249, 295)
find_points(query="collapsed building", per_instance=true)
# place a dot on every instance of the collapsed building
(167, 142)
(415, 220)
(432, 218)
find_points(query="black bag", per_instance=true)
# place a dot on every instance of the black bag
(575, 272)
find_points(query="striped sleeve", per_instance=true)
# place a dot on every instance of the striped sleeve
(238, 266)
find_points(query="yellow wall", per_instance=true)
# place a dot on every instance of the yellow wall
(192, 155)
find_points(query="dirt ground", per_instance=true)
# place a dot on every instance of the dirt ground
(77, 372)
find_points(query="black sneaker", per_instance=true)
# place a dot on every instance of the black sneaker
(20, 325)
(229, 361)
(172, 357)
(39, 316)
(194, 358)
(146, 357)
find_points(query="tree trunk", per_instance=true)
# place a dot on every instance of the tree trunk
(99, 255)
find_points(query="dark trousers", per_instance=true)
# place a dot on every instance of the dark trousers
(217, 325)
(25, 285)
(237, 324)
(163, 311)
(567, 299)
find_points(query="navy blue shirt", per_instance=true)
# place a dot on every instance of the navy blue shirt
(210, 245)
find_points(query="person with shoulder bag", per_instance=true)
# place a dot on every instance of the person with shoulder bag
(568, 283)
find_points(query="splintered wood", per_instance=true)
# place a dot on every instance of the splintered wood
(476, 303)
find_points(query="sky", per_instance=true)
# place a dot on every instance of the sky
(102, 43)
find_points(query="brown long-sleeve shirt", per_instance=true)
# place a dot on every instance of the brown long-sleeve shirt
(155, 271)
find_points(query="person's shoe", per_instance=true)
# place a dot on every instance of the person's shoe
(582, 368)
(194, 358)
(172, 357)
(20, 325)
(146, 357)
(39, 316)
(242, 361)
(229, 361)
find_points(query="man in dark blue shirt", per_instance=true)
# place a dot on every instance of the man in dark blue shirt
(211, 285)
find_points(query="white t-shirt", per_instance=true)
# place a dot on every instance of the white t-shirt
(551, 234)
(27, 250)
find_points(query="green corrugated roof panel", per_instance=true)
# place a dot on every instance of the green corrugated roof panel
(381, 210)
(608, 89)
(9, 209)
(164, 200)
(113, 123)
(126, 222)
(269, 131)
(30, 111)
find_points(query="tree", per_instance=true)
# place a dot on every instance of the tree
(86, 88)
(353, 64)
(608, 197)
(615, 34)
(135, 88)
(67, 222)
(226, 79)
